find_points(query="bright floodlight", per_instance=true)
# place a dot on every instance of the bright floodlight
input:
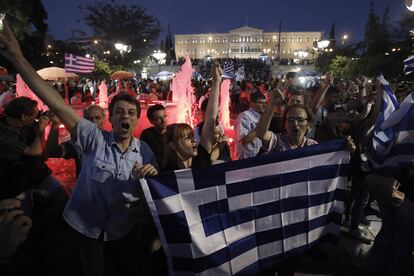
(409, 4)
(123, 48)
(323, 44)
(159, 55)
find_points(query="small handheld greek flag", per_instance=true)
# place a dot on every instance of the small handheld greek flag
(228, 70)
(409, 65)
(383, 138)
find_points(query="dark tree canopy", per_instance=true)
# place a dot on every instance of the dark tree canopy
(28, 20)
(25, 16)
(129, 24)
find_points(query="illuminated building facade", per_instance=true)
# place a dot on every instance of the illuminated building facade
(247, 42)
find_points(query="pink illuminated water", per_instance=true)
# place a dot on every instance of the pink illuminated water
(183, 94)
(224, 104)
(103, 95)
(23, 90)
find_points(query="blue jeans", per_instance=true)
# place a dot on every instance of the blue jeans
(394, 243)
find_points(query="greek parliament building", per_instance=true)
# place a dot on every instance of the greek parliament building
(247, 42)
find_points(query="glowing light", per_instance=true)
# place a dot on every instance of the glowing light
(323, 44)
(409, 4)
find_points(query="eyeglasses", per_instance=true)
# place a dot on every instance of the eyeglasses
(299, 120)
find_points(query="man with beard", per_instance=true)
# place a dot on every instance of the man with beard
(155, 136)
(105, 207)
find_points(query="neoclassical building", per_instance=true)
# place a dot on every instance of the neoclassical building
(247, 42)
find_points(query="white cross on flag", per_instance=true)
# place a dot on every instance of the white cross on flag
(240, 217)
(78, 64)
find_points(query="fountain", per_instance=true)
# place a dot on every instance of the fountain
(23, 90)
(103, 94)
(183, 94)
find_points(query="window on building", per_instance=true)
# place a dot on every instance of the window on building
(283, 39)
(290, 39)
(307, 39)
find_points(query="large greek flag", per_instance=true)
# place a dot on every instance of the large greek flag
(383, 137)
(240, 217)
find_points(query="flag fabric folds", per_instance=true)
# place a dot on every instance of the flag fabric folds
(78, 64)
(228, 70)
(383, 138)
(240, 217)
(401, 151)
(409, 65)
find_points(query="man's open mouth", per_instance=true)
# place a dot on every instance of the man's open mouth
(125, 126)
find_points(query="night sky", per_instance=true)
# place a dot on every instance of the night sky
(195, 16)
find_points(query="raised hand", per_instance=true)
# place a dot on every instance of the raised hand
(216, 72)
(9, 46)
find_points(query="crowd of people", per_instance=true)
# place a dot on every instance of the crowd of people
(103, 226)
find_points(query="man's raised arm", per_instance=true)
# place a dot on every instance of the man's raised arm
(10, 49)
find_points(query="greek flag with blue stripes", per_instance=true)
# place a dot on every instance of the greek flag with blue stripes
(228, 70)
(401, 123)
(409, 65)
(383, 138)
(240, 217)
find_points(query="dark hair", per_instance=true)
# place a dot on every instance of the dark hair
(124, 96)
(20, 106)
(291, 75)
(151, 110)
(257, 96)
(301, 106)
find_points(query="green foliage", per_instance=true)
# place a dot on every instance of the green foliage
(383, 49)
(344, 67)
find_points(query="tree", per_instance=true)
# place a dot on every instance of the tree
(28, 21)
(128, 24)
(332, 37)
(169, 47)
(371, 32)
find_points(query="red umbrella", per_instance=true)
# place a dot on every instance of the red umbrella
(122, 75)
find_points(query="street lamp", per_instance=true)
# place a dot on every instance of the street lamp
(409, 4)
(160, 57)
(122, 48)
(344, 38)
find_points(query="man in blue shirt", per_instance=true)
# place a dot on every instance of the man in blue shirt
(247, 143)
(105, 207)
